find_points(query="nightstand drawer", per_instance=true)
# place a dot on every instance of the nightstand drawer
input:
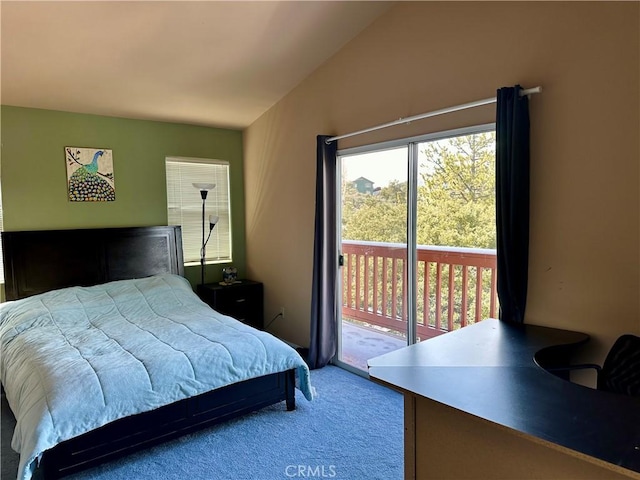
(235, 304)
(242, 301)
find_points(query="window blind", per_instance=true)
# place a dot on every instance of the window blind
(184, 206)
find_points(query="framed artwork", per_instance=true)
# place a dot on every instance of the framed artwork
(90, 174)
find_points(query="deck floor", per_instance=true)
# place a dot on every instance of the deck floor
(359, 343)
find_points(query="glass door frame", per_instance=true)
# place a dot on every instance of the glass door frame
(412, 206)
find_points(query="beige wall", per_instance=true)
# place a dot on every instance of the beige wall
(423, 56)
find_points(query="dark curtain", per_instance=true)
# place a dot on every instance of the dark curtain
(512, 201)
(323, 342)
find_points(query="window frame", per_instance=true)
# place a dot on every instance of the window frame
(218, 203)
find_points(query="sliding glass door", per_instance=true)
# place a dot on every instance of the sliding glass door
(417, 241)
(373, 244)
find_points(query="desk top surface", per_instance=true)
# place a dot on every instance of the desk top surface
(493, 370)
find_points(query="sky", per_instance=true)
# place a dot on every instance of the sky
(379, 167)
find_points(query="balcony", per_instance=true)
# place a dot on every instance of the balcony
(456, 287)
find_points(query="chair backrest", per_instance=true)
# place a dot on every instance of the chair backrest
(621, 369)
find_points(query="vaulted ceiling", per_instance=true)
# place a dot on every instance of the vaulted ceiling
(213, 63)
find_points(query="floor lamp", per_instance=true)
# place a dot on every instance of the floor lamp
(213, 219)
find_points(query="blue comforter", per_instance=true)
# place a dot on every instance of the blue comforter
(74, 359)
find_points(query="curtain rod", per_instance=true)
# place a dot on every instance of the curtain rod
(435, 113)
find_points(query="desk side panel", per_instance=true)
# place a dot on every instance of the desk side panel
(450, 444)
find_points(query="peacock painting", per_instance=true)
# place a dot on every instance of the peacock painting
(90, 174)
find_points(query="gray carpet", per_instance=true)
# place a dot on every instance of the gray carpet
(353, 430)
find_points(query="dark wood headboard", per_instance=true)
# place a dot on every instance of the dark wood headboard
(39, 261)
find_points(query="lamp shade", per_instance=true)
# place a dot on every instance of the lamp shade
(213, 219)
(204, 186)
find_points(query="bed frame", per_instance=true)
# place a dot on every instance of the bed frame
(39, 261)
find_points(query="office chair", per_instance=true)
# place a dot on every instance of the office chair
(620, 372)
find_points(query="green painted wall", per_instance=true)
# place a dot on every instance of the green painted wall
(34, 188)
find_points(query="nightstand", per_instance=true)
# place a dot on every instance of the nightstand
(242, 301)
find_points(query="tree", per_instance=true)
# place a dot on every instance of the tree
(456, 203)
(456, 198)
(381, 217)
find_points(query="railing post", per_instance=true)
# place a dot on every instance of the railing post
(478, 294)
(438, 324)
(465, 285)
(358, 292)
(375, 284)
(384, 286)
(365, 294)
(451, 306)
(394, 287)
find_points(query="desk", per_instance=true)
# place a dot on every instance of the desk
(479, 405)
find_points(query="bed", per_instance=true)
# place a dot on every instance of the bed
(107, 350)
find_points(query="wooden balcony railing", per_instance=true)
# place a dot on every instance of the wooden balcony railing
(455, 286)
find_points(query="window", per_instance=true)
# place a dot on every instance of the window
(184, 206)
